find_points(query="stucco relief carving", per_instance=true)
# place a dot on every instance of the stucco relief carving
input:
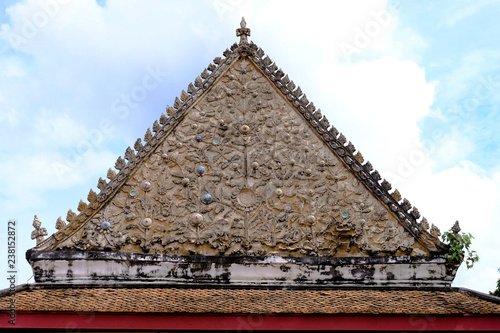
(243, 174)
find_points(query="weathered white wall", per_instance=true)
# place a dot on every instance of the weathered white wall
(275, 270)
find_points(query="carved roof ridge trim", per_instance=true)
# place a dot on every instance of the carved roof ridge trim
(408, 215)
(335, 140)
(134, 156)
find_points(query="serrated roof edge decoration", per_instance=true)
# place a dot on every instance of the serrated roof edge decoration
(407, 214)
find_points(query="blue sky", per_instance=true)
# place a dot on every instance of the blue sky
(414, 85)
(462, 53)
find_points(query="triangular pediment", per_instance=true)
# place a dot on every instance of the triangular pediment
(245, 165)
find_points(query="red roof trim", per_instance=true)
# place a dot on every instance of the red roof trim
(128, 321)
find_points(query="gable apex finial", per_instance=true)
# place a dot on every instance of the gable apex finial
(243, 32)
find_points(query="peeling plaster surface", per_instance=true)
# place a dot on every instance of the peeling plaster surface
(68, 267)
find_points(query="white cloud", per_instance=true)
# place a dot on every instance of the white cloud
(462, 12)
(466, 194)
(384, 99)
(32, 175)
(461, 192)
(471, 81)
(11, 67)
(452, 149)
(56, 130)
(10, 117)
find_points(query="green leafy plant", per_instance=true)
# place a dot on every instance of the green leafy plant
(459, 247)
(497, 291)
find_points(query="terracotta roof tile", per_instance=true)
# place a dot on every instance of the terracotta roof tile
(258, 301)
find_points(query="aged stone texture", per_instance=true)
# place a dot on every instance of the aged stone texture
(244, 181)
(101, 267)
(242, 174)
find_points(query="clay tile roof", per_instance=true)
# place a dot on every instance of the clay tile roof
(254, 301)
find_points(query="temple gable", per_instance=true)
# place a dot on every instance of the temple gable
(244, 170)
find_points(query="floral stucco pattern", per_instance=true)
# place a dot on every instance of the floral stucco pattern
(244, 174)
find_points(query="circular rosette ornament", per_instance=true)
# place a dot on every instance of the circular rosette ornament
(246, 199)
(105, 225)
(101, 233)
(244, 129)
(310, 219)
(147, 222)
(206, 198)
(200, 170)
(195, 219)
(146, 186)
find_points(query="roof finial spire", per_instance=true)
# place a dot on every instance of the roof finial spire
(243, 32)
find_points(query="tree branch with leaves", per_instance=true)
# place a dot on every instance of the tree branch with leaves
(459, 247)
(496, 292)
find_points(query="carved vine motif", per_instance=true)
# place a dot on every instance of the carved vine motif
(243, 174)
